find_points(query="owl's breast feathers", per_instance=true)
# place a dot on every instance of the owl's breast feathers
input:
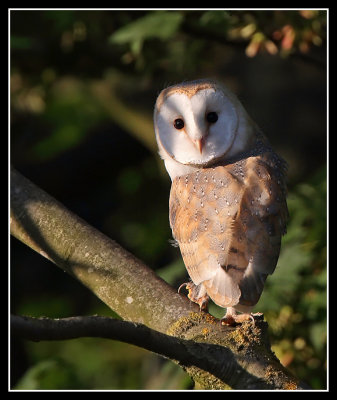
(228, 221)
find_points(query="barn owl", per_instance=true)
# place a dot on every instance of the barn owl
(227, 206)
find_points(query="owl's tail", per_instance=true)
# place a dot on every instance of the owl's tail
(223, 289)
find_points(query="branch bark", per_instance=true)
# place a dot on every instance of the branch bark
(118, 278)
(215, 356)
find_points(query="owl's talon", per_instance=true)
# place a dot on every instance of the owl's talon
(197, 294)
(182, 285)
(229, 321)
(203, 303)
(232, 318)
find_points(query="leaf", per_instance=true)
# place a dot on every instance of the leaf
(160, 24)
(216, 20)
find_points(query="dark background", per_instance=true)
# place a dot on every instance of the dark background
(83, 87)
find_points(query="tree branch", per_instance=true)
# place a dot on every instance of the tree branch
(118, 278)
(37, 329)
(215, 356)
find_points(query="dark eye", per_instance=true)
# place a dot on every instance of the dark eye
(212, 117)
(178, 123)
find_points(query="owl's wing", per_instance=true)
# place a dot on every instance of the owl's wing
(261, 222)
(228, 221)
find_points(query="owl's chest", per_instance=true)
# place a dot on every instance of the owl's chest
(204, 201)
(224, 200)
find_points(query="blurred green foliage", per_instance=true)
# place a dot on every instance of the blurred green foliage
(94, 364)
(161, 25)
(83, 86)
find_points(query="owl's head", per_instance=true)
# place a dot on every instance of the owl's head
(199, 122)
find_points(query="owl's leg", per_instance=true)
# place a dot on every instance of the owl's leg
(197, 294)
(231, 317)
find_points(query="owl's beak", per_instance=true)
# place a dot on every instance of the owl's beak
(199, 144)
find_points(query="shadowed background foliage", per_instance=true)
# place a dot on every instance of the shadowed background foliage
(83, 86)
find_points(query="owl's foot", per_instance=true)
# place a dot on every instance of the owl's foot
(232, 318)
(197, 294)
